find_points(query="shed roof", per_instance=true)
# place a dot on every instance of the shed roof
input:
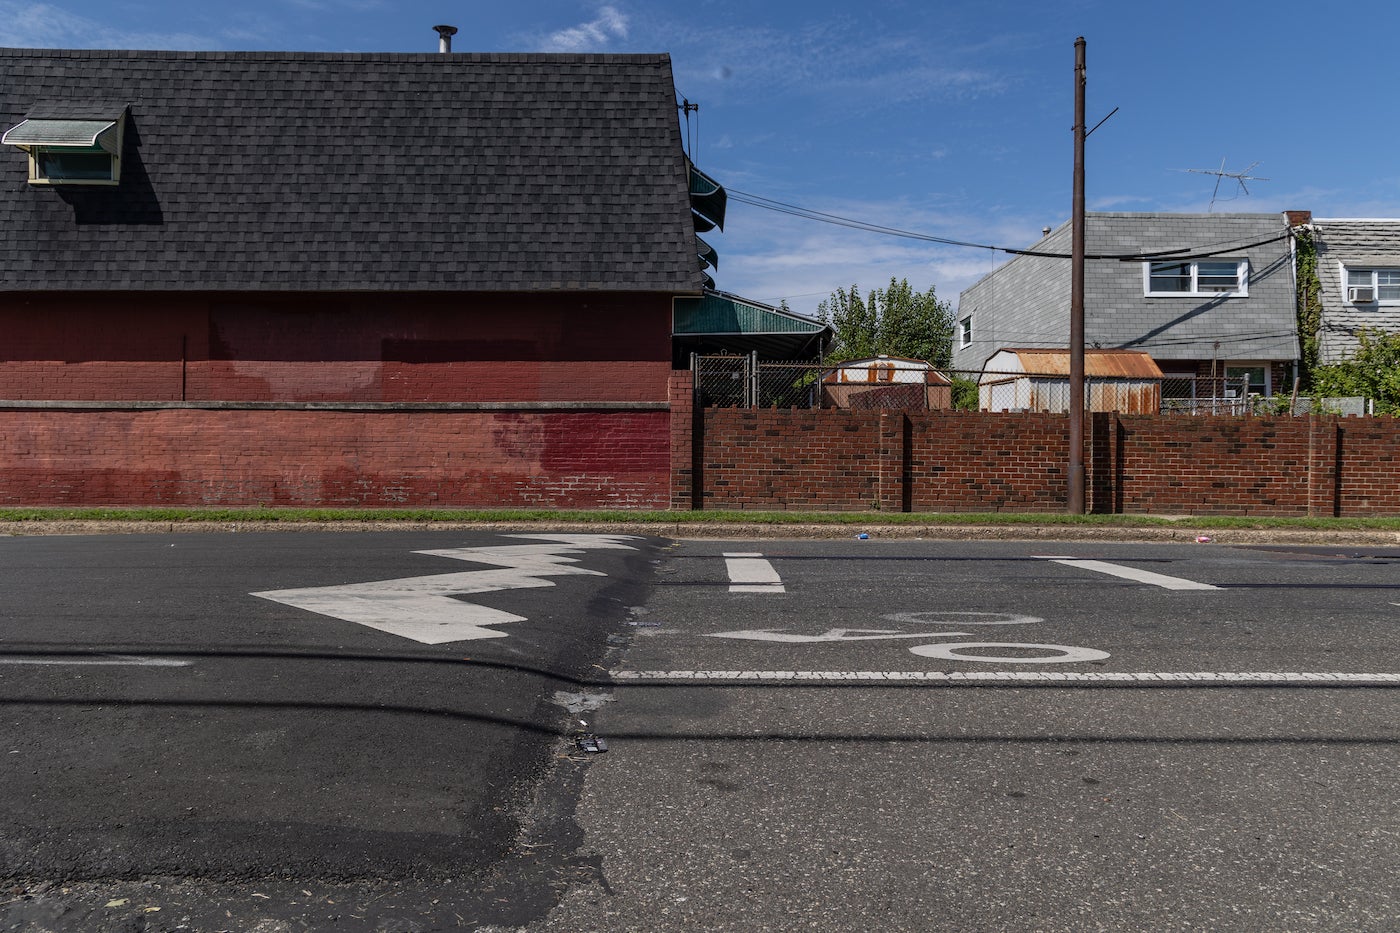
(1101, 364)
(931, 376)
(306, 171)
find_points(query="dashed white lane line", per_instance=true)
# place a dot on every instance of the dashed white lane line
(751, 573)
(976, 677)
(111, 661)
(1132, 573)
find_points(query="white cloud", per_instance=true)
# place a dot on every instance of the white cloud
(43, 25)
(609, 24)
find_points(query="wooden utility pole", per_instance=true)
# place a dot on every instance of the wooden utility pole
(1076, 297)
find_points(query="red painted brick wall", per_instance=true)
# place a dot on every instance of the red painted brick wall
(353, 347)
(556, 459)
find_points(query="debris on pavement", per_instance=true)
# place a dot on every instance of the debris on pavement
(592, 744)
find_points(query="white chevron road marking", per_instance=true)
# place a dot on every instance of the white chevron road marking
(425, 609)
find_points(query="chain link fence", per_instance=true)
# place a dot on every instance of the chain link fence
(748, 382)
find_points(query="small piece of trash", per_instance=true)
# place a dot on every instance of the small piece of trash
(1203, 539)
(118, 902)
(151, 910)
(862, 537)
(636, 624)
(592, 744)
(266, 897)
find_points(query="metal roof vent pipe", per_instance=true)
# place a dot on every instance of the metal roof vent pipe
(445, 34)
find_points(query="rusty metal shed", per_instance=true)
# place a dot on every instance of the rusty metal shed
(1127, 381)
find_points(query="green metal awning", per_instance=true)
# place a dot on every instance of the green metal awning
(708, 256)
(720, 322)
(707, 199)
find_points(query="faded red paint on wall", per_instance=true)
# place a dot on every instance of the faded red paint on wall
(352, 347)
(584, 459)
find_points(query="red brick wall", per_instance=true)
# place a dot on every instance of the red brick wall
(180, 456)
(684, 472)
(840, 460)
(1368, 466)
(811, 459)
(353, 347)
(979, 461)
(1211, 465)
(984, 461)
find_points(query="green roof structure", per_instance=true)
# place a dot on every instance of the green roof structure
(719, 322)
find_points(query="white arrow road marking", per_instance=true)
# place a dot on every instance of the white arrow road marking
(835, 634)
(423, 608)
(1132, 573)
(751, 573)
(117, 660)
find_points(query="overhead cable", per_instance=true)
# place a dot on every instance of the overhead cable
(1182, 254)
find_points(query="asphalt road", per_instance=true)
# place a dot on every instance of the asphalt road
(778, 763)
(201, 757)
(830, 735)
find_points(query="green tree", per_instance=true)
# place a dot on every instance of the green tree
(1373, 371)
(894, 321)
(966, 394)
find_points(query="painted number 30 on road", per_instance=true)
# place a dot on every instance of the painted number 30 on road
(981, 651)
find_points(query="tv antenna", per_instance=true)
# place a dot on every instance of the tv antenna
(687, 108)
(1220, 175)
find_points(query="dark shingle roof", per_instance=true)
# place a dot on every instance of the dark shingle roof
(304, 171)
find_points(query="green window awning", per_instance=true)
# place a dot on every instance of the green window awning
(708, 256)
(707, 199)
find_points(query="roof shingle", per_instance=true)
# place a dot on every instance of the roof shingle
(308, 172)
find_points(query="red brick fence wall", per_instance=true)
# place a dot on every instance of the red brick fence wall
(974, 461)
(651, 454)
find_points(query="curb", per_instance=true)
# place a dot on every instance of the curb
(1182, 533)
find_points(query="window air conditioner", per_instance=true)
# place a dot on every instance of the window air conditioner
(1360, 295)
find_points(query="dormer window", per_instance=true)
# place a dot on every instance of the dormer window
(67, 149)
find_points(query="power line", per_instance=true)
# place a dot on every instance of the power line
(1181, 254)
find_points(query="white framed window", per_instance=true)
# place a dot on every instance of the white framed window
(1373, 286)
(1257, 377)
(1201, 278)
(965, 332)
(65, 151)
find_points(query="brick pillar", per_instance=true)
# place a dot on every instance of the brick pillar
(1324, 465)
(891, 457)
(685, 493)
(1103, 461)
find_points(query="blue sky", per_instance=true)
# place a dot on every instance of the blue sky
(949, 118)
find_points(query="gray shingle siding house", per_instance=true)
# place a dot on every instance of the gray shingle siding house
(1358, 269)
(1216, 295)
